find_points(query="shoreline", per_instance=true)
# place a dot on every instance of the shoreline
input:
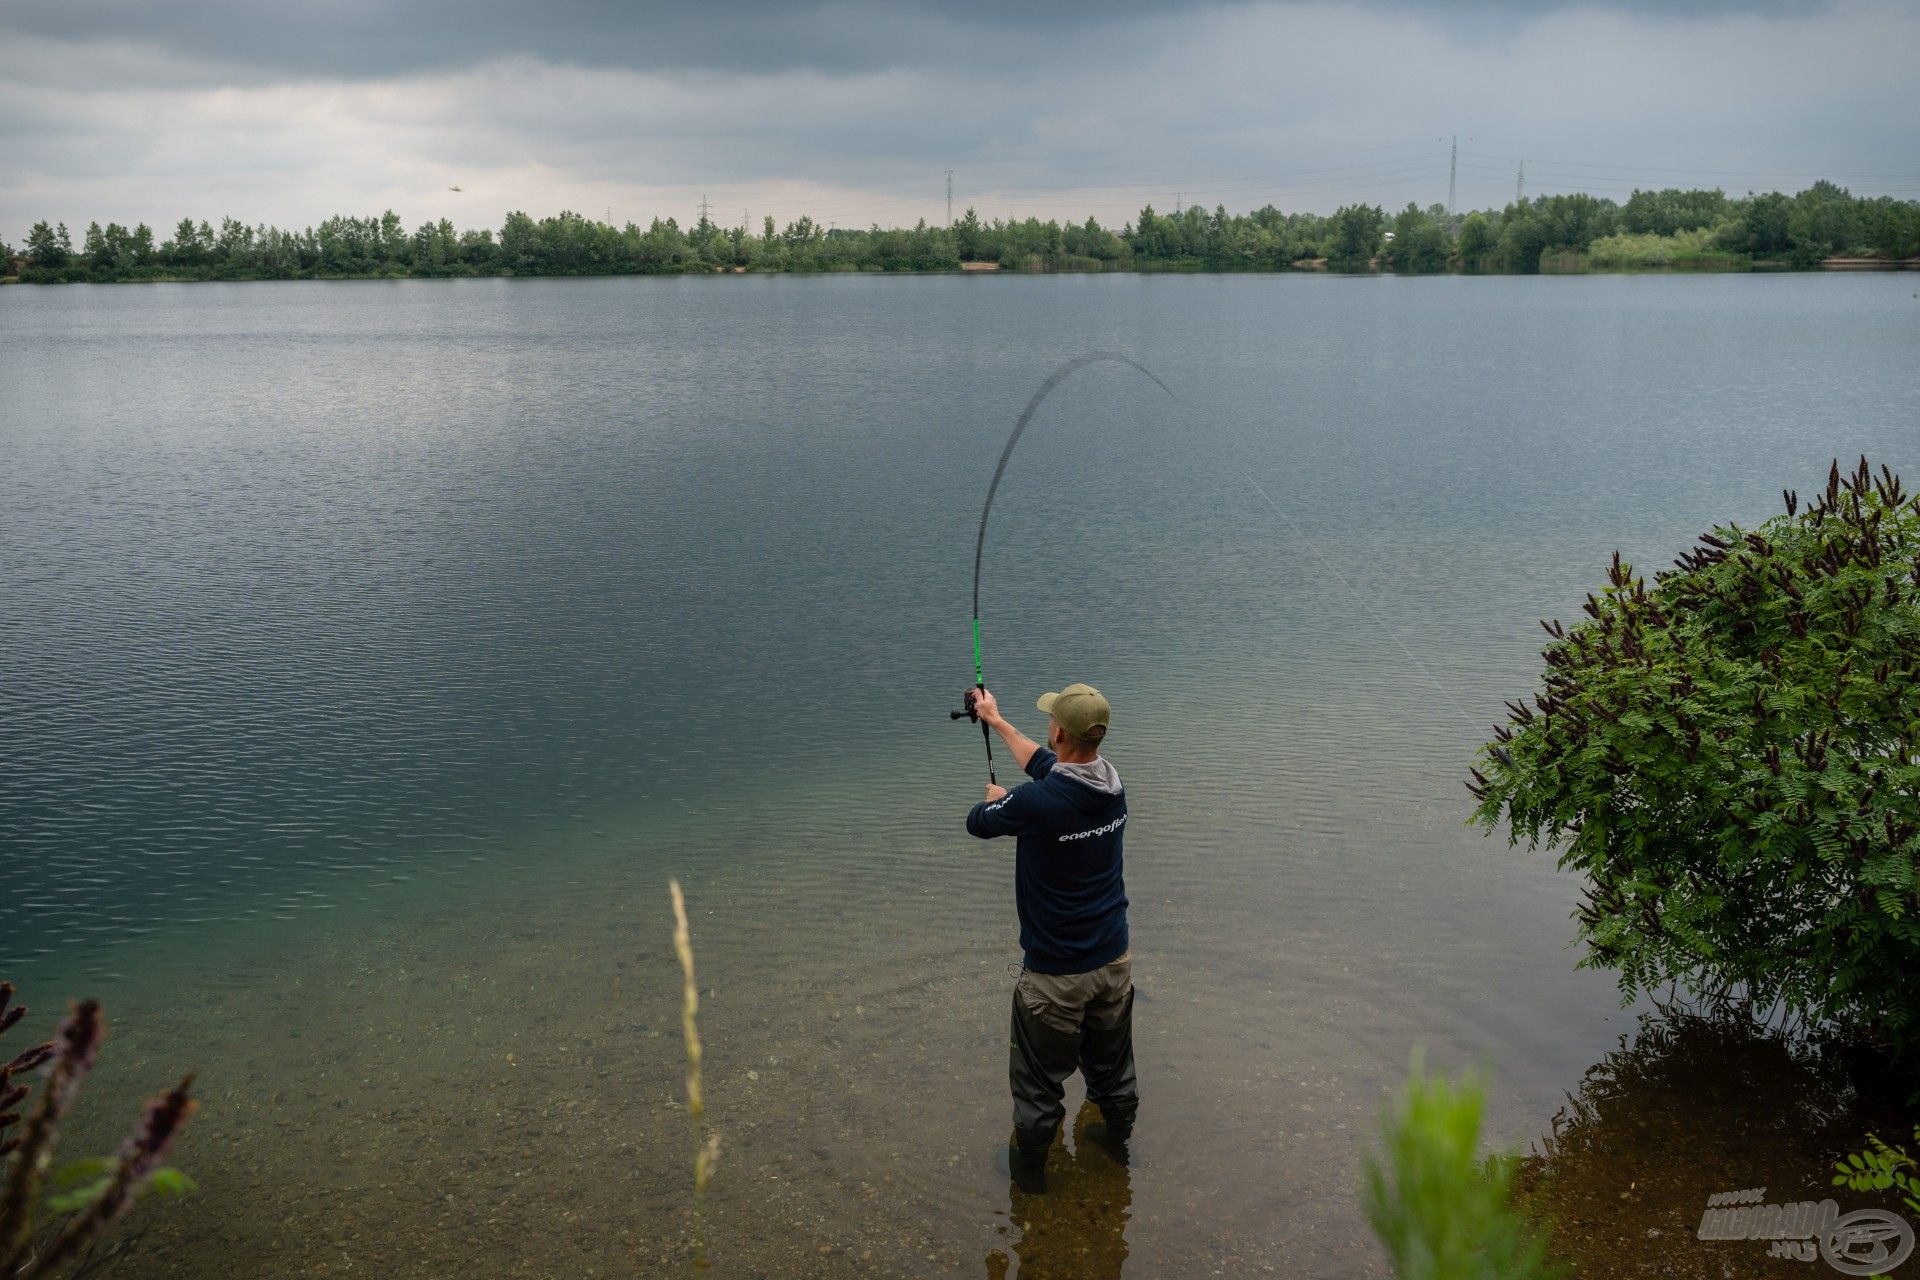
(1317, 266)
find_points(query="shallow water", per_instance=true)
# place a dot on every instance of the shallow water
(372, 653)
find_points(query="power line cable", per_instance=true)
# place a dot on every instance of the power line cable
(1648, 168)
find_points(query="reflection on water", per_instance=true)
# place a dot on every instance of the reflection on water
(1692, 1104)
(1077, 1228)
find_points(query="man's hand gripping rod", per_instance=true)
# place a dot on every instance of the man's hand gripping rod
(968, 711)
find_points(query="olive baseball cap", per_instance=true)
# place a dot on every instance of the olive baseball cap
(1080, 709)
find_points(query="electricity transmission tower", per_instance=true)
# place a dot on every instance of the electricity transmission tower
(703, 210)
(1520, 184)
(1453, 168)
(949, 199)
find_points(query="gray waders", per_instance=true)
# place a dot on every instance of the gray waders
(1041, 1058)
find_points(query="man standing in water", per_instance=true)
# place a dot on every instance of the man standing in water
(1073, 1005)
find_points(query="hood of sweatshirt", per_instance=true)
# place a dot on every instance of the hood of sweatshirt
(1097, 773)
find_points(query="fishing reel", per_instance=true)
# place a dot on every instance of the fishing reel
(972, 712)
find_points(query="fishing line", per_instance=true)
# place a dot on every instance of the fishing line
(980, 545)
(1361, 600)
(980, 541)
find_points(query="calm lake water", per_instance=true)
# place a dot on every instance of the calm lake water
(371, 654)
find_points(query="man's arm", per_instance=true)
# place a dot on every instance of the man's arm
(1004, 814)
(1019, 743)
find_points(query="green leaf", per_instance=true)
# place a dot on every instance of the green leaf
(69, 1175)
(168, 1181)
(74, 1201)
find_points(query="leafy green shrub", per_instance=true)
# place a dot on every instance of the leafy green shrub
(1732, 758)
(1441, 1209)
(1684, 249)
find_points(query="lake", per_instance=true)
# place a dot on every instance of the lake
(372, 653)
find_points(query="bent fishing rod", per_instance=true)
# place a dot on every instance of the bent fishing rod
(970, 711)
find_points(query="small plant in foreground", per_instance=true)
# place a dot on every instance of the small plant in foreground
(94, 1194)
(1442, 1210)
(1731, 755)
(1882, 1167)
(706, 1144)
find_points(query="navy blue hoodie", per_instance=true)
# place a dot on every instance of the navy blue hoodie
(1068, 886)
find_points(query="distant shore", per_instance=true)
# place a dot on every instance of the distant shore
(1311, 265)
(1822, 227)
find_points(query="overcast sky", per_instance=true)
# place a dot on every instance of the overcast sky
(853, 111)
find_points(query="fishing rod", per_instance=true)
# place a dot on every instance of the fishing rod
(969, 711)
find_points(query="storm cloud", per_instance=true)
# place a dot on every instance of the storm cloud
(357, 39)
(854, 112)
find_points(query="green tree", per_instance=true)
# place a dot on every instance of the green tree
(1477, 241)
(1523, 238)
(392, 239)
(1574, 221)
(435, 250)
(1731, 758)
(969, 237)
(1764, 227)
(233, 247)
(1824, 219)
(1157, 238)
(1356, 237)
(519, 242)
(478, 252)
(1894, 228)
(43, 248)
(185, 250)
(1667, 212)
(1420, 245)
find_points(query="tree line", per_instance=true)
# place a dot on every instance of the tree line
(1704, 229)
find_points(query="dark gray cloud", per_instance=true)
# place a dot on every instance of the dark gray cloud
(375, 38)
(853, 114)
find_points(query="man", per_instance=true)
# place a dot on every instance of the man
(1073, 1005)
